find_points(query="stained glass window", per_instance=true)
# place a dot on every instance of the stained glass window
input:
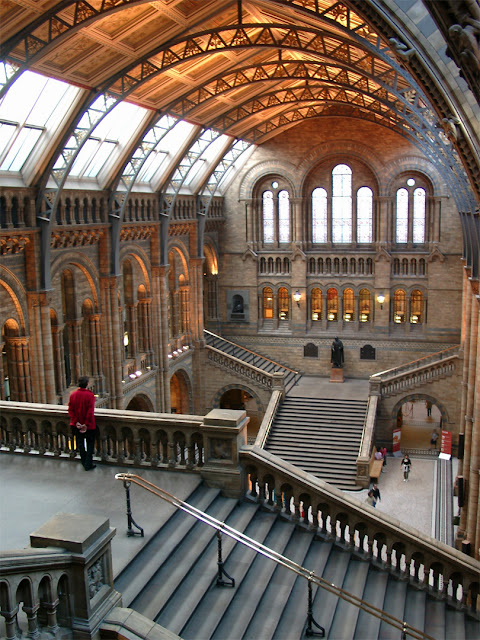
(364, 215)
(283, 216)
(416, 307)
(342, 203)
(319, 215)
(402, 216)
(268, 217)
(419, 201)
(348, 305)
(283, 303)
(365, 302)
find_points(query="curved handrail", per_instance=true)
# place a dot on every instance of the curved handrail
(274, 555)
(420, 362)
(215, 335)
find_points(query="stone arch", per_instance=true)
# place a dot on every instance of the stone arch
(81, 261)
(411, 164)
(12, 297)
(181, 394)
(260, 171)
(413, 397)
(216, 399)
(140, 402)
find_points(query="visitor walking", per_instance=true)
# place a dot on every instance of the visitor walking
(434, 438)
(81, 407)
(376, 494)
(406, 466)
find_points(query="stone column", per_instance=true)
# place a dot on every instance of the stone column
(473, 415)
(160, 335)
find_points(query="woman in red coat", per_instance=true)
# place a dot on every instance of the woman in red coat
(81, 407)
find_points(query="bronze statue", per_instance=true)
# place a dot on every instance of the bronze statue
(337, 354)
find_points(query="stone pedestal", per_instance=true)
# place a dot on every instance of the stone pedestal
(337, 375)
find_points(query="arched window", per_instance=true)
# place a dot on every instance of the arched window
(342, 203)
(276, 216)
(319, 215)
(332, 305)
(267, 303)
(283, 216)
(348, 305)
(316, 304)
(411, 208)
(416, 307)
(364, 305)
(399, 306)
(268, 217)
(283, 303)
(364, 215)
(419, 208)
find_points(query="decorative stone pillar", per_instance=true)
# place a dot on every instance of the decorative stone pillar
(88, 540)
(225, 432)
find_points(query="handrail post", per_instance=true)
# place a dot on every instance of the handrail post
(130, 520)
(221, 569)
(310, 619)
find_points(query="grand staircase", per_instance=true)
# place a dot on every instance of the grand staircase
(320, 436)
(172, 581)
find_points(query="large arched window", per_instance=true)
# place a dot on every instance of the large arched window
(316, 304)
(276, 216)
(416, 307)
(364, 215)
(342, 203)
(411, 209)
(319, 215)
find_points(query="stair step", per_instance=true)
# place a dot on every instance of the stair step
(394, 604)
(154, 596)
(346, 614)
(325, 602)
(137, 574)
(374, 592)
(205, 618)
(174, 616)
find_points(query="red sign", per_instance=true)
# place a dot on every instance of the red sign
(446, 444)
(397, 433)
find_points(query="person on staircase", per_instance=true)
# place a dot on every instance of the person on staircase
(81, 408)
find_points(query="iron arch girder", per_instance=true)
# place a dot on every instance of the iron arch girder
(59, 29)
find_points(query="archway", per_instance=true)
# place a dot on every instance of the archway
(418, 418)
(241, 398)
(179, 393)
(140, 403)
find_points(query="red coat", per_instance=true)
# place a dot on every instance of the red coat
(81, 407)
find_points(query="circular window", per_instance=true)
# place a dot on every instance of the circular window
(410, 182)
(275, 184)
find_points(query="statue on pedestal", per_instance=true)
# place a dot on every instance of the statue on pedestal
(337, 354)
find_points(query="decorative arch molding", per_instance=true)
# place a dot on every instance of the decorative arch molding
(415, 164)
(182, 251)
(270, 167)
(229, 387)
(143, 261)
(17, 294)
(420, 396)
(144, 397)
(330, 151)
(86, 266)
(181, 372)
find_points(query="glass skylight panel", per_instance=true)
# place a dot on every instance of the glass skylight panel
(175, 139)
(151, 166)
(21, 148)
(104, 151)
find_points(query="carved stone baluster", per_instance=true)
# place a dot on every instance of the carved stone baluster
(296, 510)
(191, 456)
(10, 623)
(172, 458)
(31, 613)
(51, 609)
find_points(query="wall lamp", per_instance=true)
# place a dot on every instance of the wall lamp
(381, 300)
(297, 297)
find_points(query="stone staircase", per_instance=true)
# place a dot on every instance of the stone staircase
(320, 436)
(252, 358)
(172, 581)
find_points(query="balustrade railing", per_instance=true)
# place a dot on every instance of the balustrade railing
(240, 368)
(449, 574)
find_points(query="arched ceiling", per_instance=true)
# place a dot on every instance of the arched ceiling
(253, 68)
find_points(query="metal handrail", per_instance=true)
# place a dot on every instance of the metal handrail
(265, 551)
(254, 353)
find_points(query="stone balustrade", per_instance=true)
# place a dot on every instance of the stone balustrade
(425, 370)
(64, 580)
(394, 545)
(240, 368)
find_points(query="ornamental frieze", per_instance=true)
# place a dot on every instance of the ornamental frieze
(140, 232)
(11, 245)
(181, 229)
(62, 239)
